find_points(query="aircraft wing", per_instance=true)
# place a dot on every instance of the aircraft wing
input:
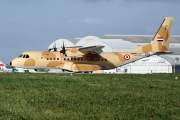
(92, 49)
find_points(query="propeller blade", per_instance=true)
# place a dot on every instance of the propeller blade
(54, 46)
(63, 49)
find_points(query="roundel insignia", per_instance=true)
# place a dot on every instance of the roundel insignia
(126, 57)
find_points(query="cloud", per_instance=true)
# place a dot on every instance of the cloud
(88, 20)
(93, 20)
(95, 1)
(98, 0)
(162, 1)
(172, 1)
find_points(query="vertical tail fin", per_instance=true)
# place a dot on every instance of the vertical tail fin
(161, 40)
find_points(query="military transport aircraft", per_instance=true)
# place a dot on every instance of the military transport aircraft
(92, 58)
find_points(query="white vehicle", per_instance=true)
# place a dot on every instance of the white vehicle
(14, 69)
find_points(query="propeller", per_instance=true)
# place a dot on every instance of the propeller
(63, 49)
(54, 46)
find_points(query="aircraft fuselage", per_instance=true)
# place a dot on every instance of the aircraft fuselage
(76, 62)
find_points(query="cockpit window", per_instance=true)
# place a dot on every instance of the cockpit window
(20, 55)
(27, 56)
(24, 56)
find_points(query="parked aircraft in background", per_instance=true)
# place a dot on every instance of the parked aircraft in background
(3, 68)
(92, 58)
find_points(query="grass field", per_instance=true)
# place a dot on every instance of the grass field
(89, 96)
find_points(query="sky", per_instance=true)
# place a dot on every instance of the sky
(31, 25)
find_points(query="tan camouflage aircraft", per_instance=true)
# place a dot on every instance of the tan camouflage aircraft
(88, 59)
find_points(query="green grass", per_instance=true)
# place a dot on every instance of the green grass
(89, 96)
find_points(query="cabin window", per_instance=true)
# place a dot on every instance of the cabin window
(47, 58)
(57, 58)
(50, 58)
(68, 59)
(54, 58)
(64, 58)
(105, 59)
(41, 57)
(75, 59)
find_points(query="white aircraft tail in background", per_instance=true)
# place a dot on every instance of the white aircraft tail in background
(3, 68)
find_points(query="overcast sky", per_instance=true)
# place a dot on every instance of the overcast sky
(34, 24)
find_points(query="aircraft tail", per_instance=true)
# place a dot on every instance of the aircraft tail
(161, 40)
